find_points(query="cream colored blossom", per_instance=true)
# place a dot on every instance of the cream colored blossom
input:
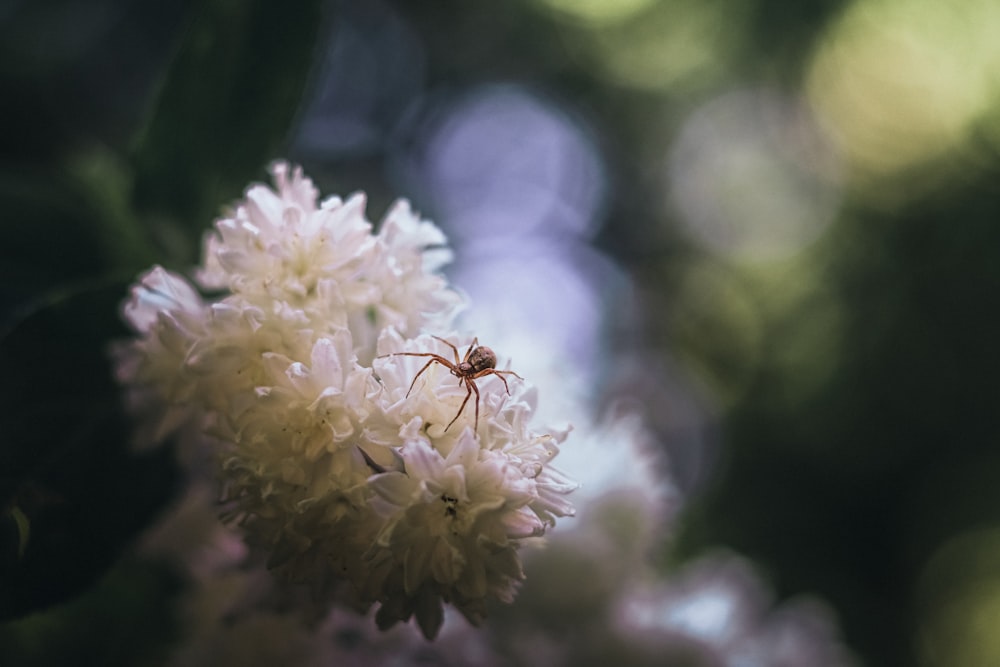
(451, 531)
(323, 259)
(347, 480)
(411, 295)
(458, 502)
(282, 243)
(169, 317)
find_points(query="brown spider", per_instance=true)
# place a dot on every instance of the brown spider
(479, 361)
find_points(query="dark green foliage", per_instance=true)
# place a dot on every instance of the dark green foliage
(852, 493)
(224, 109)
(66, 464)
(83, 215)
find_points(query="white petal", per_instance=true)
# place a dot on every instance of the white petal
(422, 462)
(395, 487)
(466, 451)
(159, 290)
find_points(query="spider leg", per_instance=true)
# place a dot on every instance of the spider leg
(472, 383)
(499, 374)
(472, 346)
(504, 380)
(468, 386)
(419, 373)
(433, 357)
(453, 348)
(416, 354)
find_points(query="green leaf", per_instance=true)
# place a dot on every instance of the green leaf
(66, 224)
(49, 236)
(65, 463)
(103, 181)
(133, 606)
(23, 524)
(225, 107)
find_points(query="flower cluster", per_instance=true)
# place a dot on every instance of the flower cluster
(350, 472)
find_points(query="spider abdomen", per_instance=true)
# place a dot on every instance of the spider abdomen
(481, 359)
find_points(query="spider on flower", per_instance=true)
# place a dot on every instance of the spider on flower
(478, 362)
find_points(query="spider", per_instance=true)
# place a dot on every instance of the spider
(478, 362)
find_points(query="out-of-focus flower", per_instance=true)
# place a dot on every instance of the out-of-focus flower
(719, 603)
(716, 611)
(169, 315)
(190, 537)
(347, 480)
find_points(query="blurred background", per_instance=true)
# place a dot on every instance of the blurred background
(770, 229)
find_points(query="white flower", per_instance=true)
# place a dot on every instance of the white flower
(291, 463)
(189, 536)
(437, 397)
(350, 482)
(299, 423)
(451, 532)
(462, 498)
(293, 272)
(412, 296)
(279, 244)
(169, 316)
(720, 602)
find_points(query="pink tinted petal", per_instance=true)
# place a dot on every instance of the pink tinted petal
(158, 291)
(522, 523)
(298, 189)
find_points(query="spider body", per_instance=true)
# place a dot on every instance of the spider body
(479, 361)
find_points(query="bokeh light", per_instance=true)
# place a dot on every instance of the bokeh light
(544, 306)
(902, 82)
(671, 46)
(501, 162)
(714, 601)
(597, 12)
(720, 601)
(961, 601)
(519, 187)
(752, 177)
